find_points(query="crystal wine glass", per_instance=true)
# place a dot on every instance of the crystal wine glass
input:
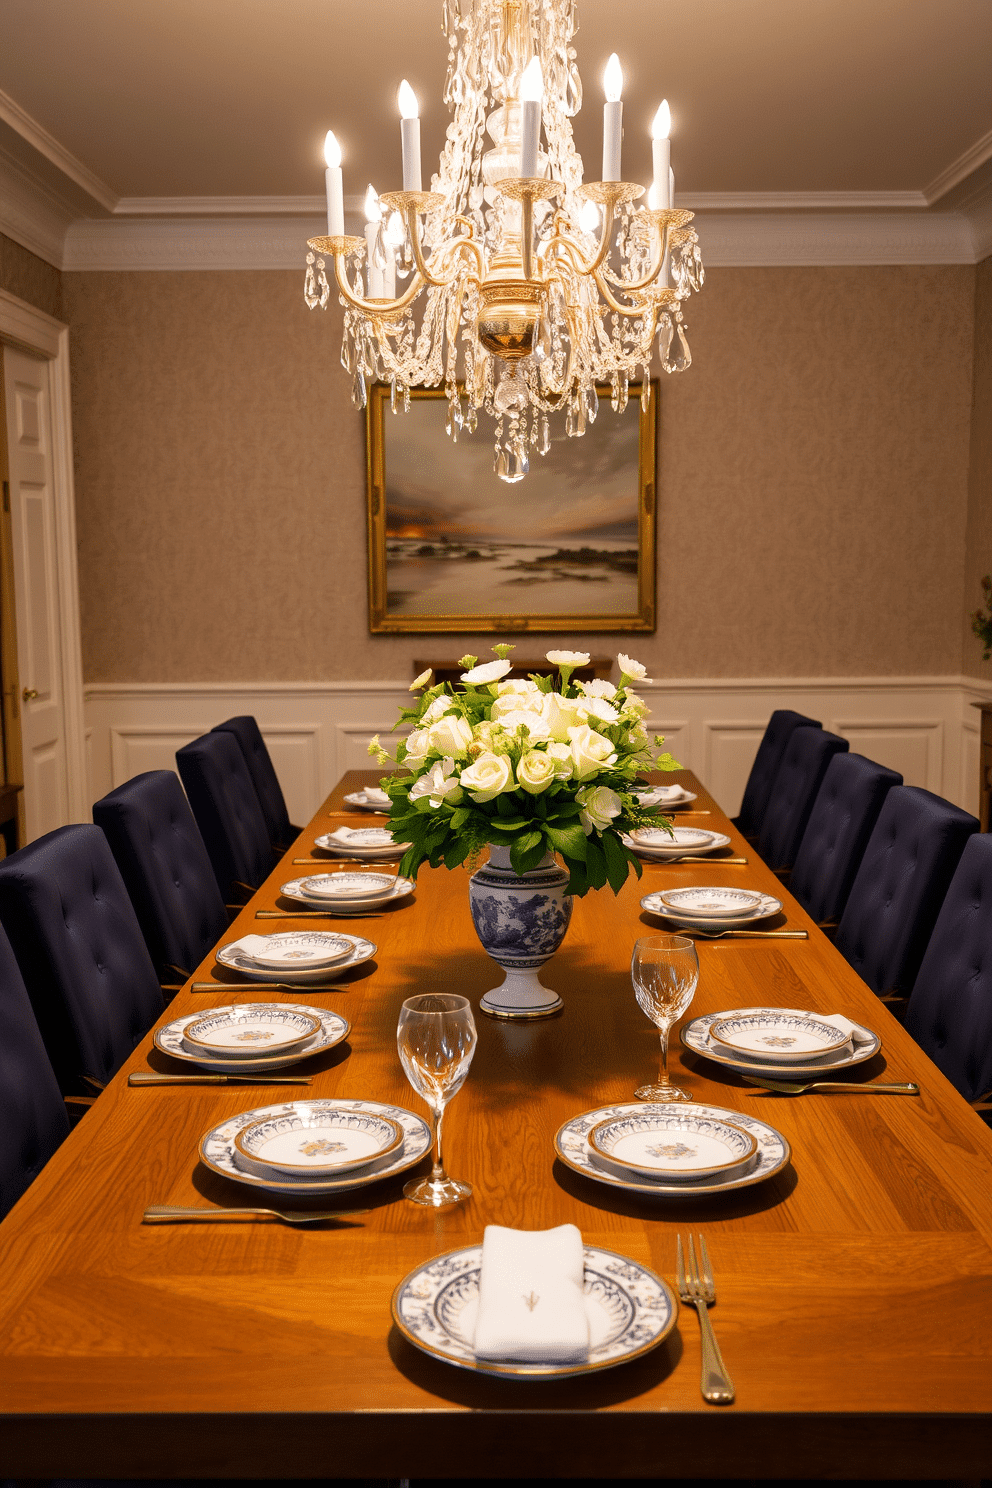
(436, 1041)
(664, 970)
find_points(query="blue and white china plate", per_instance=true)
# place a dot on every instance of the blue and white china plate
(661, 1142)
(333, 1029)
(682, 842)
(767, 906)
(246, 1030)
(362, 842)
(314, 1141)
(572, 1146)
(659, 797)
(235, 960)
(781, 1037)
(695, 1036)
(217, 1149)
(630, 1311)
(350, 886)
(295, 889)
(363, 802)
(302, 949)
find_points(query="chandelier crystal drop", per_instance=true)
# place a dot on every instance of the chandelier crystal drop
(510, 282)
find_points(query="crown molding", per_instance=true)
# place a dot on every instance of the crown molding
(959, 170)
(801, 201)
(228, 206)
(31, 212)
(47, 145)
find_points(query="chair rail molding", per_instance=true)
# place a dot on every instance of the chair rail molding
(922, 726)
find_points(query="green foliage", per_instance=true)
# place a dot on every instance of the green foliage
(981, 620)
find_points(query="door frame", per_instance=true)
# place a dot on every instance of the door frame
(31, 330)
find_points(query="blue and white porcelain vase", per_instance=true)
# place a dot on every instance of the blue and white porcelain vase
(521, 919)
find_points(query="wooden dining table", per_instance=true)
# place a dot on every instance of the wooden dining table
(854, 1289)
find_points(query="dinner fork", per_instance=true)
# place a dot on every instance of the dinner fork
(782, 1087)
(698, 1288)
(176, 1214)
(742, 934)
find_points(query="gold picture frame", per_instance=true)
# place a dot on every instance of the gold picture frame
(449, 543)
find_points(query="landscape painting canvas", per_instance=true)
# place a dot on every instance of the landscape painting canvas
(452, 547)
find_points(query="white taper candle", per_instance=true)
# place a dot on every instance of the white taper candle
(334, 187)
(410, 137)
(612, 119)
(661, 153)
(531, 94)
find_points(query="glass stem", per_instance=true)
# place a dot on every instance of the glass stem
(437, 1170)
(663, 1077)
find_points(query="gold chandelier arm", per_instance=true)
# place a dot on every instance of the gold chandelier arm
(467, 247)
(413, 227)
(661, 233)
(374, 307)
(626, 310)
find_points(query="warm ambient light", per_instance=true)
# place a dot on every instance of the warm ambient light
(407, 100)
(613, 79)
(661, 124)
(373, 211)
(332, 150)
(532, 82)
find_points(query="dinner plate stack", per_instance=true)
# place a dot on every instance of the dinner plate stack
(780, 1041)
(251, 1038)
(656, 844)
(369, 799)
(316, 1146)
(662, 1151)
(373, 844)
(670, 797)
(298, 957)
(344, 893)
(711, 906)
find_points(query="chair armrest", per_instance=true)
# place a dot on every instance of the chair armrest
(97, 1085)
(79, 1100)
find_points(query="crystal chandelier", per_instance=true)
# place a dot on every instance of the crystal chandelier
(530, 286)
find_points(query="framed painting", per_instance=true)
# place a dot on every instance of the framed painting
(453, 548)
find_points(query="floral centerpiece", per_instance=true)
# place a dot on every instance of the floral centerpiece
(529, 763)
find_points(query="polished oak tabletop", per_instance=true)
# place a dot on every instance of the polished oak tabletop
(854, 1289)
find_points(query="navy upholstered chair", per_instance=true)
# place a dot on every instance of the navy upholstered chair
(804, 764)
(902, 882)
(220, 791)
(842, 820)
(281, 831)
(781, 727)
(81, 953)
(31, 1108)
(950, 1009)
(165, 868)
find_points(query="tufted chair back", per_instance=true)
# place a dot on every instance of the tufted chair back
(32, 1113)
(226, 809)
(781, 727)
(844, 815)
(804, 764)
(81, 953)
(263, 777)
(165, 868)
(901, 884)
(950, 1010)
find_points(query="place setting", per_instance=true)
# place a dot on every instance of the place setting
(371, 798)
(665, 1144)
(671, 797)
(719, 911)
(680, 844)
(351, 895)
(251, 1043)
(290, 958)
(369, 844)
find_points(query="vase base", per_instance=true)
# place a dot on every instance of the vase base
(519, 1014)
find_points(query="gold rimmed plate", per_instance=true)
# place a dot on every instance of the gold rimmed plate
(664, 1143)
(332, 1030)
(313, 1140)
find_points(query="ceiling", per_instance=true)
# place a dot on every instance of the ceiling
(231, 98)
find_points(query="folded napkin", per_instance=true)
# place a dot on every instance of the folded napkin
(376, 796)
(855, 1033)
(252, 945)
(531, 1300)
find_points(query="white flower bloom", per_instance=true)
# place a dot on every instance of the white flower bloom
(561, 714)
(637, 738)
(562, 756)
(590, 751)
(490, 776)
(635, 705)
(437, 708)
(439, 784)
(599, 806)
(512, 702)
(417, 748)
(537, 729)
(598, 687)
(519, 687)
(632, 669)
(536, 771)
(601, 709)
(450, 735)
(421, 681)
(489, 671)
(568, 658)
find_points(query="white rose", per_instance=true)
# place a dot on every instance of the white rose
(590, 751)
(436, 709)
(490, 776)
(450, 735)
(598, 687)
(421, 681)
(519, 687)
(560, 714)
(439, 784)
(515, 703)
(417, 748)
(536, 771)
(601, 709)
(562, 756)
(568, 658)
(599, 806)
(537, 729)
(489, 671)
(635, 705)
(632, 669)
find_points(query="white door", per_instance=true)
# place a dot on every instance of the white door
(36, 591)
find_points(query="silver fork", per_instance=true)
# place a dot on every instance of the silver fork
(698, 1288)
(742, 934)
(180, 1214)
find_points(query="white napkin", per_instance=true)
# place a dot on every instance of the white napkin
(659, 793)
(376, 796)
(531, 1300)
(855, 1033)
(252, 945)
